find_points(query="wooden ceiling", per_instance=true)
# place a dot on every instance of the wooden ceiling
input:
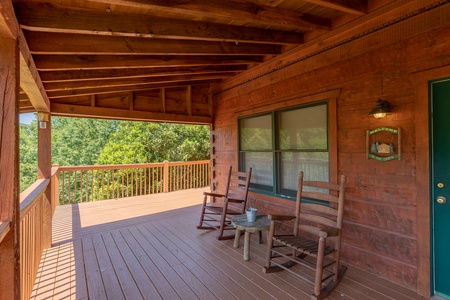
(86, 49)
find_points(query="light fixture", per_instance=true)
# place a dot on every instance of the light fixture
(381, 109)
(43, 118)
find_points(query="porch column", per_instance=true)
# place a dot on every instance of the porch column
(44, 171)
(9, 168)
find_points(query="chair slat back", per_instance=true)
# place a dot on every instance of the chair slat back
(322, 207)
(238, 186)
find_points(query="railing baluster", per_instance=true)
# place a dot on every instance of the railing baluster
(103, 182)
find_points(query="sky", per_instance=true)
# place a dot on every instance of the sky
(27, 118)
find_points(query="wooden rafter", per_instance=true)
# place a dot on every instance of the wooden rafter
(126, 88)
(124, 114)
(71, 44)
(69, 75)
(29, 78)
(47, 18)
(355, 7)
(86, 62)
(227, 11)
(103, 83)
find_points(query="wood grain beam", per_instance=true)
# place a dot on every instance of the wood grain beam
(227, 12)
(30, 82)
(59, 109)
(29, 78)
(87, 62)
(355, 7)
(135, 81)
(9, 28)
(72, 44)
(351, 31)
(126, 88)
(48, 18)
(58, 76)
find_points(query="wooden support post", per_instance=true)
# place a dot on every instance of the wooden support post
(45, 171)
(9, 166)
(166, 176)
(55, 187)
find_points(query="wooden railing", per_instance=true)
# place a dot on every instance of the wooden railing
(36, 212)
(93, 183)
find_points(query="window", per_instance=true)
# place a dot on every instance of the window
(279, 144)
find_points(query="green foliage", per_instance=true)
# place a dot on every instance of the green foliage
(28, 154)
(155, 142)
(78, 142)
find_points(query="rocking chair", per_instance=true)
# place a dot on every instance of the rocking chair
(219, 215)
(317, 221)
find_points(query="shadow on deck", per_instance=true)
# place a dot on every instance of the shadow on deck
(148, 247)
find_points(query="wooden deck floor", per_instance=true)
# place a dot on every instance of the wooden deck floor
(149, 248)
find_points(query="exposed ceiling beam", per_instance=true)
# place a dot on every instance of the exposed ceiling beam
(29, 77)
(122, 114)
(227, 12)
(60, 76)
(58, 43)
(86, 62)
(135, 87)
(9, 28)
(104, 83)
(48, 18)
(30, 82)
(356, 7)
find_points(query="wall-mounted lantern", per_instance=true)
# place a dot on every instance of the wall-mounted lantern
(381, 109)
(43, 118)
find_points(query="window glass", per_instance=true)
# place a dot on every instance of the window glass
(304, 128)
(280, 144)
(256, 133)
(315, 165)
(262, 167)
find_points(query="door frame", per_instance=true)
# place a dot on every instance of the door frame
(423, 213)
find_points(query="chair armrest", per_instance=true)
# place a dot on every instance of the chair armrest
(329, 232)
(280, 217)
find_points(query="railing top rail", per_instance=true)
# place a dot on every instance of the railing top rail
(183, 163)
(129, 166)
(4, 229)
(108, 167)
(31, 194)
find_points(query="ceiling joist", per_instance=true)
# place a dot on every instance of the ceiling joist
(48, 18)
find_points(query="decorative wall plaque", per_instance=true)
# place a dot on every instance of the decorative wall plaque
(383, 143)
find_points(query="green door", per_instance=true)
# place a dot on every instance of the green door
(440, 181)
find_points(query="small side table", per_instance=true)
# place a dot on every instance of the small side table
(240, 223)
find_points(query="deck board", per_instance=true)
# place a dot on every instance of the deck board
(148, 247)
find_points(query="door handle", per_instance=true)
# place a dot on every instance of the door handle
(441, 200)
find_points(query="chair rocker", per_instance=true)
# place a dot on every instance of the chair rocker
(315, 242)
(234, 200)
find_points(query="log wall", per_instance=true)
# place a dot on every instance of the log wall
(381, 227)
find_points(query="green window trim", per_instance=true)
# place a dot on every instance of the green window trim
(275, 176)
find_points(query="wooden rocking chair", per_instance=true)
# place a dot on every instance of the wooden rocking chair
(219, 215)
(316, 223)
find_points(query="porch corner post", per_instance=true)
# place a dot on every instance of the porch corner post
(166, 176)
(55, 187)
(10, 286)
(45, 171)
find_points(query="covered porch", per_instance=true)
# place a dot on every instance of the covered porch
(148, 247)
(218, 63)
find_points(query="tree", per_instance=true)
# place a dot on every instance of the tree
(28, 154)
(77, 142)
(138, 142)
